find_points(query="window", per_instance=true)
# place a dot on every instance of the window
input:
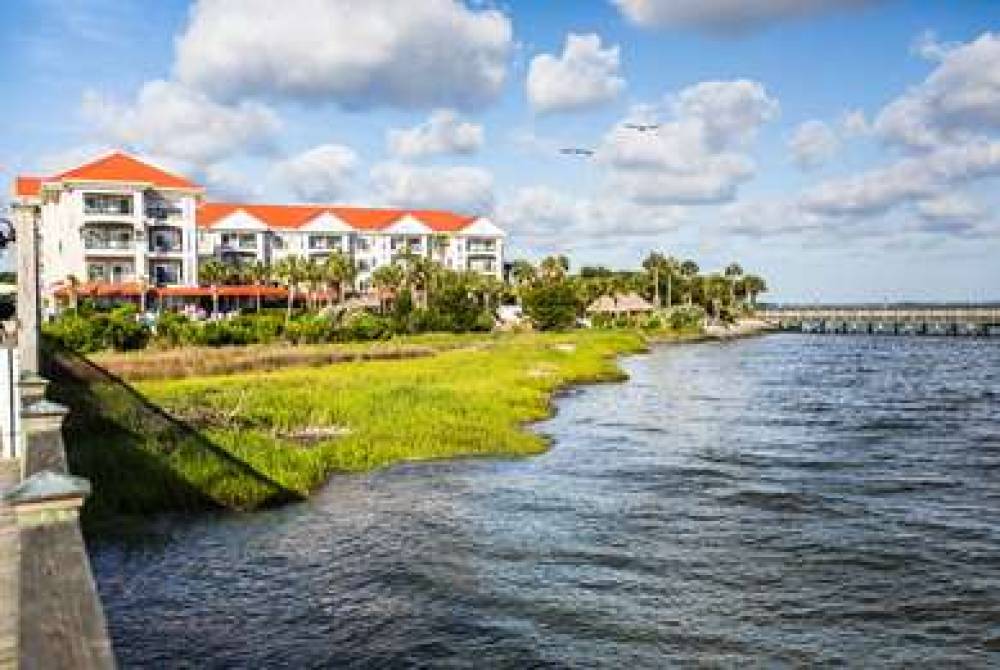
(166, 273)
(107, 203)
(95, 272)
(165, 240)
(239, 240)
(482, 246)
(363, 244)
(324, 242)
(363, 265)
(277, 242)
(102, 237)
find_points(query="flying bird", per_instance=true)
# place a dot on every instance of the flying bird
(642, 127)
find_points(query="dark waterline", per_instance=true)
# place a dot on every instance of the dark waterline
(782, 501)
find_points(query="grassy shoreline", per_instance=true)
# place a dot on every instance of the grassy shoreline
(250, 440)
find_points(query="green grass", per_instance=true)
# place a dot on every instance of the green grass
(234, 441)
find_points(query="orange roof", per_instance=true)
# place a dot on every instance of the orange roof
(443, 222)
(359, 218)
(367, 218)
(275, 216)
(118, 166)
(27, 187)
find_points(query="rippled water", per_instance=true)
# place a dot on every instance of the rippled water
(782, 501)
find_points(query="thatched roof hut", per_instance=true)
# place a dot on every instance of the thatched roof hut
(603, 305)
(627, 303)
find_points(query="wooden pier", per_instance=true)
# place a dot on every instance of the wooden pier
(51, 616)
(968, 320)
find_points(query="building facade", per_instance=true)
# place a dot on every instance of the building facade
(119, 223)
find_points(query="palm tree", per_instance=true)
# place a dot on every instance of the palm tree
(752, 286)
(213, 273)
(387, 279)
(661, 267)
(419, 273)
(72, 290)
(654, 264)
(554, 267)
(733, 273)
(291, 270)
(257, 273)
(337, 269)
(689, 270)
(523, 272)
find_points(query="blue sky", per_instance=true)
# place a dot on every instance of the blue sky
(845, 149)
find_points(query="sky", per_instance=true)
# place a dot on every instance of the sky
(846, 150)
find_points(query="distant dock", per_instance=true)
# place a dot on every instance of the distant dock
(902, 319)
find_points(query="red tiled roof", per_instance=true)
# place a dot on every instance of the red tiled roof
(360, 218)
(275, 216)
(443, 222)
(27, 187)
(118, 166)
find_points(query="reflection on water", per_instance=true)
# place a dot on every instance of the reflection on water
(787, 501)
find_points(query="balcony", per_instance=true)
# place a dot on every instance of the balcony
(166, 247)
(239, 246)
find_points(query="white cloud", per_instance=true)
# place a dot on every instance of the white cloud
(951, 213)
(906, 180)
(959, 99)
(854, 123)
(319, 174)
(693, 157)
(812, 144)
(713, 179)
(724, 15)
(173, 121)
(545, 217)
(731, 111)
(433, 53)
(585, 75)
(225, 181)
(443, 133)
(459, 188)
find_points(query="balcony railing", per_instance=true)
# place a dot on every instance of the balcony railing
(161, 213)
(107, 210)
(168, 247)
(482, 248)
(108, 244)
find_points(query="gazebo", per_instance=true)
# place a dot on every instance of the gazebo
(628, 304)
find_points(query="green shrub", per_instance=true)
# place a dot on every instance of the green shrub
(365, 326)
(686, 318)
(94, 331)
(309, 330)
(552, 306)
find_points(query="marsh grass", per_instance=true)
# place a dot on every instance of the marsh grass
(222, 440)
(197, 361)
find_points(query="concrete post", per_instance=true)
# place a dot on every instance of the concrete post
(28, 303)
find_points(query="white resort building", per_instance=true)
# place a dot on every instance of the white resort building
(120, 227)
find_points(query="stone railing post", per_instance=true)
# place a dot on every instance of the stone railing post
(61, 621)
(41, 428)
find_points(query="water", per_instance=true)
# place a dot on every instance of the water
(783, 501)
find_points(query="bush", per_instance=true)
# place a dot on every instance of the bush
(552, 306)
(365, 326)
(173, 329)
(123, 332)
(686, 318)
(87, 333)
(309, 330)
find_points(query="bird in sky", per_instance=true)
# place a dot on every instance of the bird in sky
(642, 127)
